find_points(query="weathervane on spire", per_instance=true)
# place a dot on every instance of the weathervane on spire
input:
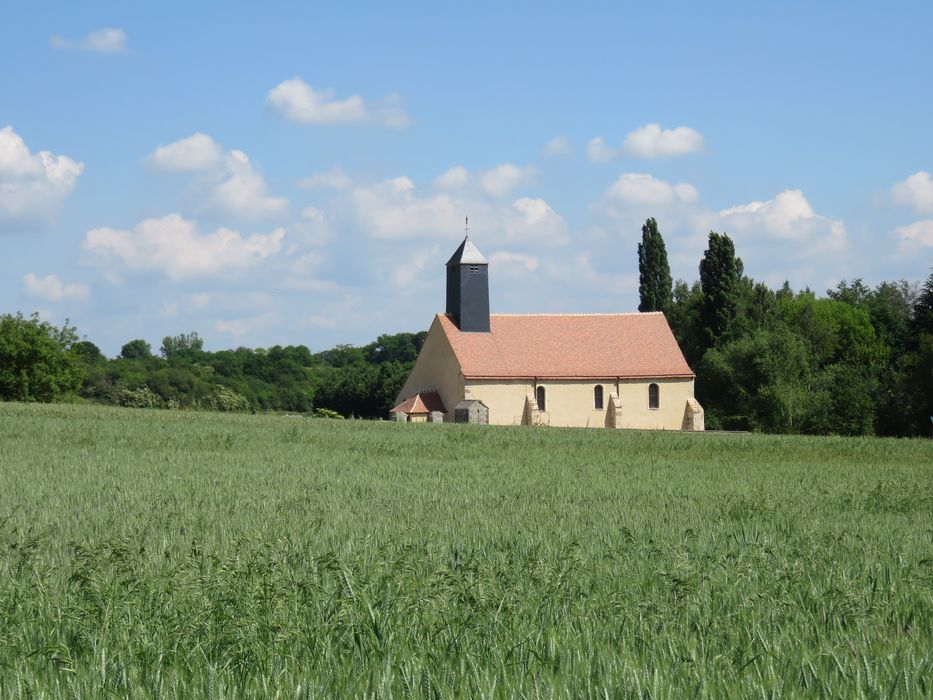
(467, 227)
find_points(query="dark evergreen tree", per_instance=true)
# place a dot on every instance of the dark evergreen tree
(684, 319)
(923, 311)
(720, 275)
(654, 274)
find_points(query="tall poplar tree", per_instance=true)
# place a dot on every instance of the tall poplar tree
(720, 275)
(654, 274)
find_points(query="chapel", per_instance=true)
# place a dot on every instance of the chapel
(599, 370)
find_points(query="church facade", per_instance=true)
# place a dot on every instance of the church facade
(620, 370)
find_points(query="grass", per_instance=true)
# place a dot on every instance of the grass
(177, 554)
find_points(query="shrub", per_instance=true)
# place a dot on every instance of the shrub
(226, 399)
(141, 397)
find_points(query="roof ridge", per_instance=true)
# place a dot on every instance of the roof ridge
(587, 313)
(570, 313)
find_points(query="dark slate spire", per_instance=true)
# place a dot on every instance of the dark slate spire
(468, 287)
(467, 254)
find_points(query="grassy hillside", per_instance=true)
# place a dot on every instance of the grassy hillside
(206, 555)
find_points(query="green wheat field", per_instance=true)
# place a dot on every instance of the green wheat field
(186, 554)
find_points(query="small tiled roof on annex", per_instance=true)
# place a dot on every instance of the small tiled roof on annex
(421, 403)
(568, 346)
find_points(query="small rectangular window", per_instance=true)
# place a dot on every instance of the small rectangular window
(474, 268)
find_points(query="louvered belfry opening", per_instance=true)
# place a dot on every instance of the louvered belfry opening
(468, 288)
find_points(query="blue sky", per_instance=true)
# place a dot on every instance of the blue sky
(299, 173)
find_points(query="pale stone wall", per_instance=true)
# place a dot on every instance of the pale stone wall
(504, 398)
(570, 402)
(436, 369)
(673, 395)
(694, 417)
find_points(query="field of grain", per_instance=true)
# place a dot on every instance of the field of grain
(159, 554)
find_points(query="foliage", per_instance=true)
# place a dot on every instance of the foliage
(654, 273)
(200, 554)
(88, 354)
(226, 399)
(923, 310)
(141, 397)
(137, 349)
(183, 346)
(720, 276)
(37, 359)
(758, 382)
(780, 361)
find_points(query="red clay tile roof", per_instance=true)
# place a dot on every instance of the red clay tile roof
(425, 402)
(569, 346)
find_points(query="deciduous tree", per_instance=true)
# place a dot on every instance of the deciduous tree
(37, 361)
(136, 350)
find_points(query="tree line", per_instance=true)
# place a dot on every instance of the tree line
(858, 361)
(42, 362)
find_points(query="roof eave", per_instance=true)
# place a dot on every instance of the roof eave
(580, 377)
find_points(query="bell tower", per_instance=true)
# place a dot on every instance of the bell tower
(468, 287)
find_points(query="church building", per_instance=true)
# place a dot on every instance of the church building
(622, 370)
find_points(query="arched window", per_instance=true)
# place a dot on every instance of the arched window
(598, 397)
(539, 394)
(654, 396)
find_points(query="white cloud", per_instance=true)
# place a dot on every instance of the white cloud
(242, 191)
(641, 188)
(915, 237)
(651, 141)
(50, 288)
(584, 270)
(104, 40)
(506, 258)
(114, 278)
(239, 327)
(534, 220)
(227, 300)
(31, 185)
(392, 210)
(411, 269)
(198, 152)
(598, 152)
(788, 216)
(558, 146)
(172, 245)
(334, 179)
(916, 192)
(782, 233)
(297, 101)
(455, 178)
(228, 184)
(318, 321)
(332, 314)
(501, 180)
